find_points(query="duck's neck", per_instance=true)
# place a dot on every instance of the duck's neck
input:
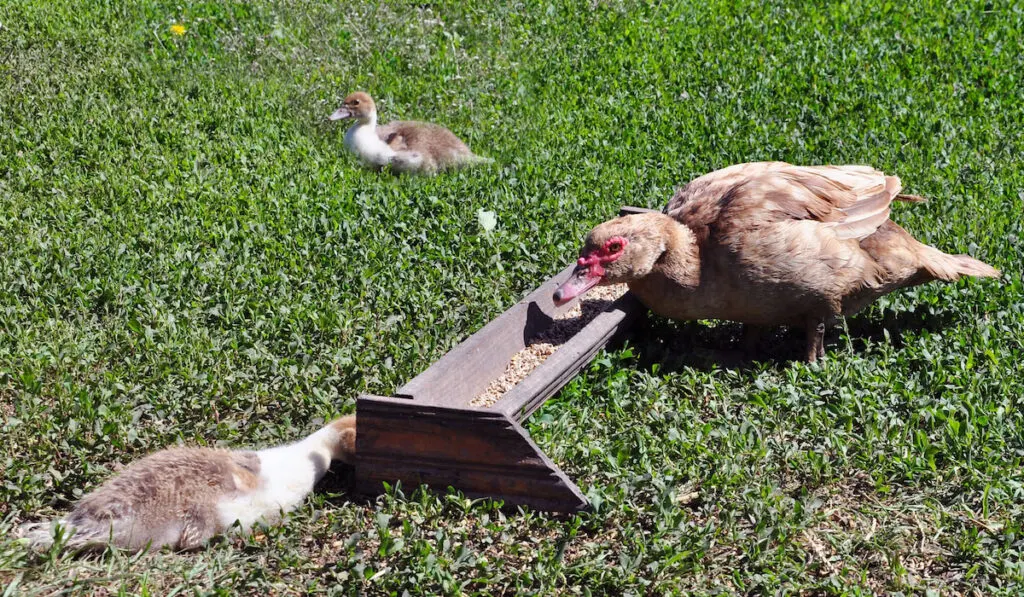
(370, 121)
(674, 275)
(362, 139)
(365, 128)
(306, 460)
(287, 474)
(321, 446)
(680, 262)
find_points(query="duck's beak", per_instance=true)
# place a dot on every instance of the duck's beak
(341, 114)
(581, 280)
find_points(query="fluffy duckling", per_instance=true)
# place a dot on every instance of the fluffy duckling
(181, 497)
(408, 146)
(767, 244)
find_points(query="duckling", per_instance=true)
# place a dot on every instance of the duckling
(767, 244)
(407, 146)
(181, 497)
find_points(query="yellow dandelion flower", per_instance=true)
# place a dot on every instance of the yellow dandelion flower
(178, 29)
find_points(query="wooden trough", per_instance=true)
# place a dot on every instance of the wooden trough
(427, 433)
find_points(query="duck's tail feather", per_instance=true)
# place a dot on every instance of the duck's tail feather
(910, 198)
(41, 536)
(38, 535)
(951, 267)
(477, 159)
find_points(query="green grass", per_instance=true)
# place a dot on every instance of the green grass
(187, 255)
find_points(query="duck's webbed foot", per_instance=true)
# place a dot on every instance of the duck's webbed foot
(815, 340)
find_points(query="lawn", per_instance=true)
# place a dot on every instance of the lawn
(188, 255)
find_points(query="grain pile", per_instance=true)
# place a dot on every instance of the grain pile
(547, 342)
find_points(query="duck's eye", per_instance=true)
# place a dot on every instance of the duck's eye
(614, 247)
(355, 102)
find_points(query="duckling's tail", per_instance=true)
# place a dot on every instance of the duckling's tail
(474, 159)
(37, 535)
(40, 536)
(951, 267)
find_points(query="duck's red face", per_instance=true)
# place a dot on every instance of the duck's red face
(590, 269)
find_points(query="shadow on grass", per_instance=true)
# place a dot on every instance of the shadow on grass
(673, 345)
(340, 479)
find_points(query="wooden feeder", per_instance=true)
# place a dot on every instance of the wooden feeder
(427, 433)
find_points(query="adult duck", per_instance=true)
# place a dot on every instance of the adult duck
(406, 145)
(767, 244)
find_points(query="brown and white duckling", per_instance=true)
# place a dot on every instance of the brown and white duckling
(406, 145)
(767, 244)
(181, 497)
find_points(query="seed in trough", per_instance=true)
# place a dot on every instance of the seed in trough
(564, 327)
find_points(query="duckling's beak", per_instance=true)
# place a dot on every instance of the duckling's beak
(341, 114)
(583, 278)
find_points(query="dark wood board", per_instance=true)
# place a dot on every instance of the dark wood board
(427, 434)
(481, 453)
(462, 374)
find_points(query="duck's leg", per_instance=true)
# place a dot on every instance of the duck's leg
(815, 339)
(200, 524)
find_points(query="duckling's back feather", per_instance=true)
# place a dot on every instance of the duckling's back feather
(424, 146)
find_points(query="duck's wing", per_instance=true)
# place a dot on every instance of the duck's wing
(423, 137)
(698, 204)
(397, 134)
(801, 227)
(713, 185)
(174, 475)
(853, 201)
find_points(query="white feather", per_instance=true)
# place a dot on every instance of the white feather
(362, 140)
(287, 475)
